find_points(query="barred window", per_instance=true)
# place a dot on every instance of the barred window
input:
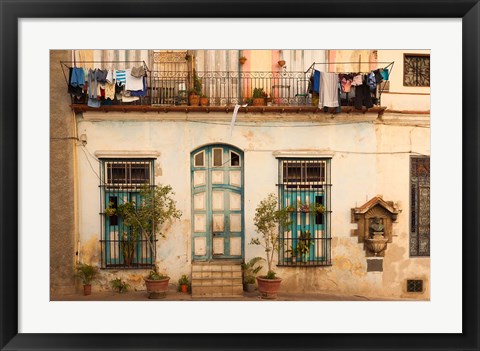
(420, 206)
(416, 70)
(122, 182)
(305, 191)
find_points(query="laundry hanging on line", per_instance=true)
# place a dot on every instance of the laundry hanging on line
(103, 86)
(347, 89)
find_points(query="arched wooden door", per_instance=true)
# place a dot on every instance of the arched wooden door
(217, 203)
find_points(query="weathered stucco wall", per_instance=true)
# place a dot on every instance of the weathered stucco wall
(370, 158)
(62, 173)
(418, 98)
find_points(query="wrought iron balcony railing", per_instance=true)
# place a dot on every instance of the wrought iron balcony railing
(172, 88)
(230, 88)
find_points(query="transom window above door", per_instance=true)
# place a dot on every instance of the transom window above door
(200, 159)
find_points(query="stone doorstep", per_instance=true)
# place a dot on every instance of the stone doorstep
(216, 268)
(217, 282)
(217, 291)
(216, 275)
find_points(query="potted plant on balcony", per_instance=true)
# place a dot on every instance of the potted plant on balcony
(86, 273)
(259, 97)
(196, 91)
(184, 284)
(269, 222)
(318, 208)
(242, 60)
(249, 273)
(157, 284)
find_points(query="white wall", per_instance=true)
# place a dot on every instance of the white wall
(370, 158)
(402, 97)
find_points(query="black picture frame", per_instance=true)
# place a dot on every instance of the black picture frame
(12, 11)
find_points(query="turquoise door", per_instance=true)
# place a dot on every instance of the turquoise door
(217, 203)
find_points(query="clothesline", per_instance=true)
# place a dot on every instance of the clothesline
(388, 63)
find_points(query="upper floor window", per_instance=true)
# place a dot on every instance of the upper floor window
(416, 70)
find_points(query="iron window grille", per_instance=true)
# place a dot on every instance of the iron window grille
(414, 285)
(122, 180)
(305, 191)
(416, 70)
(420, 206)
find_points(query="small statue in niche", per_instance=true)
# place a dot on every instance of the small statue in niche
(376, 227)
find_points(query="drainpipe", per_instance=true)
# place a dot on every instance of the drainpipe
(240, 97)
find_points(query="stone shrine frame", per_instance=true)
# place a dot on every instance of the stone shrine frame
(364, 216)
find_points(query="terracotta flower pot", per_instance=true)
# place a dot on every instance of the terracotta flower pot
(157, 289)
(268, 287)
(204, 101)
(87, 289)
(258, 101)
(242, 60)
(281, 63)
(194, 100)
(184, 288)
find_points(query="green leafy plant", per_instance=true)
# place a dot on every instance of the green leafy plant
(269, 221)
(155, 275)
(110, 210)
(128, 246)
(312, 207)
(183, 281)
(304, 243)
(318, 208)
(146, 218)
(119, 285)
(290, 208)
(197, 85)
(271, 275)
(250, 271)
(259, 93)
(86, 273)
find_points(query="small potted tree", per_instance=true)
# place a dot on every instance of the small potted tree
(146, 218)
(249, 273)
(269, 221)
(157, 284)
(196, 91)
(86, 273)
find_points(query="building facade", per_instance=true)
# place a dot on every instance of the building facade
(360, 165)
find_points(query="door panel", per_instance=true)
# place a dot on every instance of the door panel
(217, 202)
(306, 221)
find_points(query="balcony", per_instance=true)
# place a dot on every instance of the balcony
(169, 91)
